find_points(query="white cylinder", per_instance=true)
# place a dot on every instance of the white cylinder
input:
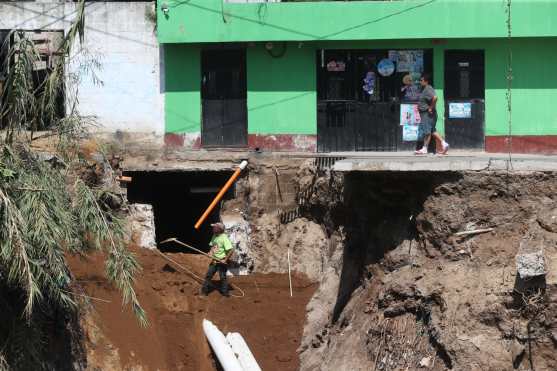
(243, 164)
(220, 346)
(244, 354)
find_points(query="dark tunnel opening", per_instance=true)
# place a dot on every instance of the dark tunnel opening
(179, 198)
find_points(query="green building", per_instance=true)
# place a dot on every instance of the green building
(342, 76)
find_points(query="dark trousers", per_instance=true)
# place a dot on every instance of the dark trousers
(213, 268)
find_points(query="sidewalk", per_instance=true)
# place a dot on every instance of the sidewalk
(455, 161)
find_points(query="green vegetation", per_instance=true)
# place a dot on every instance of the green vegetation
(46, 209)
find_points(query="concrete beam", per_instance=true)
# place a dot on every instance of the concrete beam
(478, 162)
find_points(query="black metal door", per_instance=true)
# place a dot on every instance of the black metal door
(464, 99)
(223, 97)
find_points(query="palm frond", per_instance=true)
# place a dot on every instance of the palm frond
(44, 212)
(106, 231)
(13, 252)
(121, 268)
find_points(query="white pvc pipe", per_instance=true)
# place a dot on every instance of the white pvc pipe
(245, 356)
(220, 346)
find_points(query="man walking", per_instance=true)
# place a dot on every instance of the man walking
(221, 250)
(428, 117)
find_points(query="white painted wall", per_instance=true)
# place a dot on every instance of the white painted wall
(120, 34)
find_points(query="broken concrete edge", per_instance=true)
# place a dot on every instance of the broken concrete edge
(239, 230)
(205, 161)
(530, 265)
(141, 219)
(431, 163)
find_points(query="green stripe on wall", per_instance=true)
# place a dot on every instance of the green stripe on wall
(220, 21)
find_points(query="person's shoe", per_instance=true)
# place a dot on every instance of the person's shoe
(422, 151)
(445, 148)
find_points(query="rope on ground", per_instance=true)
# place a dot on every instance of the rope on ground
(199, 279)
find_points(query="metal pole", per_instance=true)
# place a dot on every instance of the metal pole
(289, 274)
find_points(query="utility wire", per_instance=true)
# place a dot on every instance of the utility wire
(509, 81)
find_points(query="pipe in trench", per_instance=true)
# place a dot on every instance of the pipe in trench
(220, 195)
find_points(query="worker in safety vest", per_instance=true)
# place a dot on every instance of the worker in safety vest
(221, 250)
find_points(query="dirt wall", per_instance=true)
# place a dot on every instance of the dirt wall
(268, 198)
(411, 294)
(397, 289)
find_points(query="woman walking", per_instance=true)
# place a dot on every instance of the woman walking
(428, 117)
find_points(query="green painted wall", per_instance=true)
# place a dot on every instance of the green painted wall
(217, 21)
(282, 98)
(534, 93)
(281, 91)
(182, 71)
(534, 86)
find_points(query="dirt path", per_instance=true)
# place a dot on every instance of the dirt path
(270, 321)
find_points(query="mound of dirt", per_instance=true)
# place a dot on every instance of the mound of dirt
(267, 317)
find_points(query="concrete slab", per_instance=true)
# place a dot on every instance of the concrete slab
(157, 159)
(460, 161)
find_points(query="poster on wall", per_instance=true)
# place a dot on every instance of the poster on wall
(410, 61)
(393, 55)
(385, 67)
(410, 133)
(409, 114)
(369, 83)
(336, 66)
(410, 86)
(460, 110)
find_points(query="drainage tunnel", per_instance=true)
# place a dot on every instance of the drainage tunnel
(178, 199)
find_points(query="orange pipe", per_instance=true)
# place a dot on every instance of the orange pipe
(221, 194)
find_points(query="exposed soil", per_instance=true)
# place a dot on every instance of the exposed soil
(267, 317)
(398, 289)
(411, 294)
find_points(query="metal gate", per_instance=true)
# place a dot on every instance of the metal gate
(349, 119)
(357, 126)
(223, 96)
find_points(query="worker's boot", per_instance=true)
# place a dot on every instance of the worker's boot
(224, 289)
(205, 289)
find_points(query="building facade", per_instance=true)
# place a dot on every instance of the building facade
(342, 76)
(120, 38)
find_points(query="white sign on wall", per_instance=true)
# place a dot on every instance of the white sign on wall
(460, 110)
